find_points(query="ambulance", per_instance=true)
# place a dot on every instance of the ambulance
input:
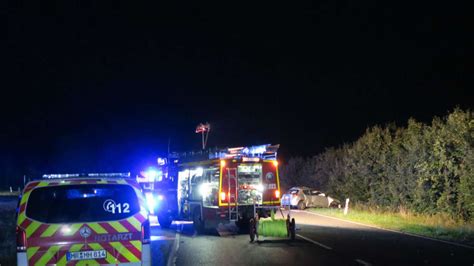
(83, 219)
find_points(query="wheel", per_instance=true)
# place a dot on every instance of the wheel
(292, 229)
(252, 230)
(198, 222)
(301, 205)
(165, 220)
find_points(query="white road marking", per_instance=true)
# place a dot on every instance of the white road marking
(393, 231)
(174, 251)
(363, 262)
(314, 242)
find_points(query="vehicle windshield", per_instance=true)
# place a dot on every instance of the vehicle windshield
(82, 203)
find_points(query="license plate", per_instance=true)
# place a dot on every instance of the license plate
(87, 255)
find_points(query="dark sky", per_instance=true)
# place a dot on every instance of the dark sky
(103, 86)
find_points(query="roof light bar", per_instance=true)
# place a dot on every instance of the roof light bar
(53, 176)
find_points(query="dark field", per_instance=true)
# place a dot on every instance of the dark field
(7, 230)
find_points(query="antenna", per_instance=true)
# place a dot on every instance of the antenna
(204, 130)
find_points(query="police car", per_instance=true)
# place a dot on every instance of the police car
(84, 219)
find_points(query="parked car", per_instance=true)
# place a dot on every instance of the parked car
(303, 197)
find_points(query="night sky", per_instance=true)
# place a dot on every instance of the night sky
(102, 87)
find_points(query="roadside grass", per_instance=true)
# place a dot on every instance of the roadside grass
(8, 193)
(438, 226)
(7, 231)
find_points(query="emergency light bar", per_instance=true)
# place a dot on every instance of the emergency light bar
(264, 152)
(53, 176)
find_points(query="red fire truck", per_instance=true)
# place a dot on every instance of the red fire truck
(217, 186)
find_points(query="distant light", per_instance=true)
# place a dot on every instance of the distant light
(259, 187)
(161, 197)
(161, 161)
(199, 171)
(151, 174)
(84, 195)
(277, 194)
(222, 163)
(275, 163)
(222, 196)
(150, 202)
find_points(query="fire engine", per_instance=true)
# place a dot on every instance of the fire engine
(215, 186)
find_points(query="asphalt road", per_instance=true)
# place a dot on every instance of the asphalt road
(320, 241)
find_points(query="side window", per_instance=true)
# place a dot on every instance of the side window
(210, 186)
(307, 192)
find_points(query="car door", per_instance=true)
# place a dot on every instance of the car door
(308, 199)
(319, 199)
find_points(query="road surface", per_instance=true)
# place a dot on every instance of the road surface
(320, 241)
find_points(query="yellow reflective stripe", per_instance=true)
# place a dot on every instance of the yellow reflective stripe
(31, 251)
(102, 181)
(47, 255)
(83, 182)
(137, 244)
(73, 229)
(42, 184)
(133, 221)
(97, 228)
(121, 181)
(21, 218)
(124, 251)
(75, 247)
(32, 228)
(51, 230)
(119, 227)
(110, 257)
(25, 197)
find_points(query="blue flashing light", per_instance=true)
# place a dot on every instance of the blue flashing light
(150, 200)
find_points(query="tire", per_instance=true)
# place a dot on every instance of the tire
(165, 220)
(301, 205)
(198, 222)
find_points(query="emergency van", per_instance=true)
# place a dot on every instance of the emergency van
(83, 219)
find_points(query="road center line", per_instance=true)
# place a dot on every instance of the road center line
(393, 231)
(314, 242)
(174, 251)
(365, 263)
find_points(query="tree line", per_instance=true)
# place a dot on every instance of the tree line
(423, 168)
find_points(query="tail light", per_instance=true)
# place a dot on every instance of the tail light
(146, 232)
(222, 196)
(20, 240)
(277, 194)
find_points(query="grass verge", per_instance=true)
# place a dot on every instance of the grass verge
(435, 226)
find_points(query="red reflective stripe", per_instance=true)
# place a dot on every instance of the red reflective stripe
(140, 217)
(31, 186)
(22, 207)
(128, 226)
(114, 252)
(40, 230)
(61, 252)
(132, 249)
(110, 250)
(36, 256)
(108, 228)
(25, 223)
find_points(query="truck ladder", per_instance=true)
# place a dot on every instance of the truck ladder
(233, 194)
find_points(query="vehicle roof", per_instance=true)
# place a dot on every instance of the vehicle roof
(301, 188)
(80, 181)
